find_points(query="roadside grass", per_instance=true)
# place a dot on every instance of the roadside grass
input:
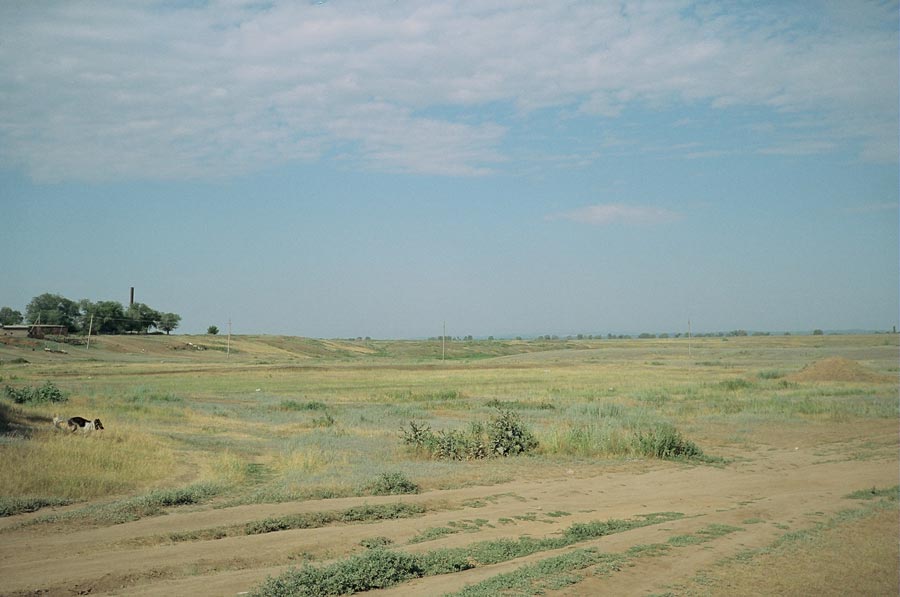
(858, 544)
(381, 568)
(133, 508)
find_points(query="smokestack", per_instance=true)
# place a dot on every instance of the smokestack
(132, 297)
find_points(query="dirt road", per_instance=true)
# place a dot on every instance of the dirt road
(773, 488)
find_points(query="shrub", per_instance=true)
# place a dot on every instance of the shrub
(29, 395)
(732, 385)
(666, 442)
(508, 436)
(294, 405)
(504, 435)
(10, 506)
(373, 569)
(392, 484)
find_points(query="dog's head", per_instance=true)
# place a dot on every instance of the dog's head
(98, 424)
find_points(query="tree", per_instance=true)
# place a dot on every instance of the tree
(108, 317)
(212, 330)
(141, 318)
(168, 322)
(9, 316)
(818, 333)
(53, 309)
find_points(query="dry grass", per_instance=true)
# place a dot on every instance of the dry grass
(862, 553)
(283, 417)
(80, 467)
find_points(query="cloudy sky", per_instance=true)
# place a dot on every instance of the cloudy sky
(348, 168)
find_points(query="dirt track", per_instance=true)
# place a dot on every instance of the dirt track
(776, 484)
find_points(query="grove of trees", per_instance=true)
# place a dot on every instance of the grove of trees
(101, 317)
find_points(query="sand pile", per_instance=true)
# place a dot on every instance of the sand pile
(838, 369)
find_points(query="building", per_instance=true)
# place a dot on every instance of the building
(33, 331)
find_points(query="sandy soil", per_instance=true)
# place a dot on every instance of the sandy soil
(777, 483)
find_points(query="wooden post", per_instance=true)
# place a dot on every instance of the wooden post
(90, 327)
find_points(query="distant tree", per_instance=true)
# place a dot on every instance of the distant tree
(53, 309)
(212, 330)
(108, 317)
(8, 316)
(168, 322)
(140, 318)
(818, 333)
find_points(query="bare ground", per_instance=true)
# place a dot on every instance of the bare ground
(791, 481)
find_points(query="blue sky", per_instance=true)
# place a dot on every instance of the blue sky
(336, 169)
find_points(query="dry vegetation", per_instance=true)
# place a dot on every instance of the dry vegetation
(729, 448)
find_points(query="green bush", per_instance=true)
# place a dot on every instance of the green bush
(10, 506)
(392, 484)
(666, 442)
(504, 435)
(509, 436)
(29, 395)
(374, 569)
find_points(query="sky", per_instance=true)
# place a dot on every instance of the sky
(377, 168)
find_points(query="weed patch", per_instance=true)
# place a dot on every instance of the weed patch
(310, 520)
(151, 504)
(379, 568)
(503, 435)
(667, 442)
(891, 493)
(10, 506)
(395, 483)
(46, 393)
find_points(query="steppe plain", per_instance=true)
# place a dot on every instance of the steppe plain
(207, 440)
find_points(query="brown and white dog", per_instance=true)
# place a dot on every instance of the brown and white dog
(76, 423)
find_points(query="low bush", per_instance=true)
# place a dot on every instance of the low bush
(664, 441)
(10, 506)
(503, 435)
(380, 568)
(374, 569)
(395, 483)
(300, 406)
(313, 520)
(31, 395)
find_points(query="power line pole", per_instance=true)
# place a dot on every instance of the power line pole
(443, 341)
(228, 345)
(90, 327)
(689, 338)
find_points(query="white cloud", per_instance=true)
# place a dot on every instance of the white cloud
(611, 213)
(133, 90)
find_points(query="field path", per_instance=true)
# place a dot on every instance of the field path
(792, 487)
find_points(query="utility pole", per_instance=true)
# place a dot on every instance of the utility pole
(689, 338)
(443, 341)
(228, 344)
(90, 327)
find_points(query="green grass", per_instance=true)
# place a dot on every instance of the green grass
(10, 506)
(356, 514)
(890, 493)
(383, 568)
(130, 509)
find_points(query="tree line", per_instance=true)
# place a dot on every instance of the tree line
(101, 317)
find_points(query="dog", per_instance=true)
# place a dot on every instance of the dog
(76, 423)
(58, 422)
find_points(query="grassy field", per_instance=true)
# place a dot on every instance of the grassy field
(210, 424)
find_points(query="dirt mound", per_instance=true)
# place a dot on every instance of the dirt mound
(838, 369)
